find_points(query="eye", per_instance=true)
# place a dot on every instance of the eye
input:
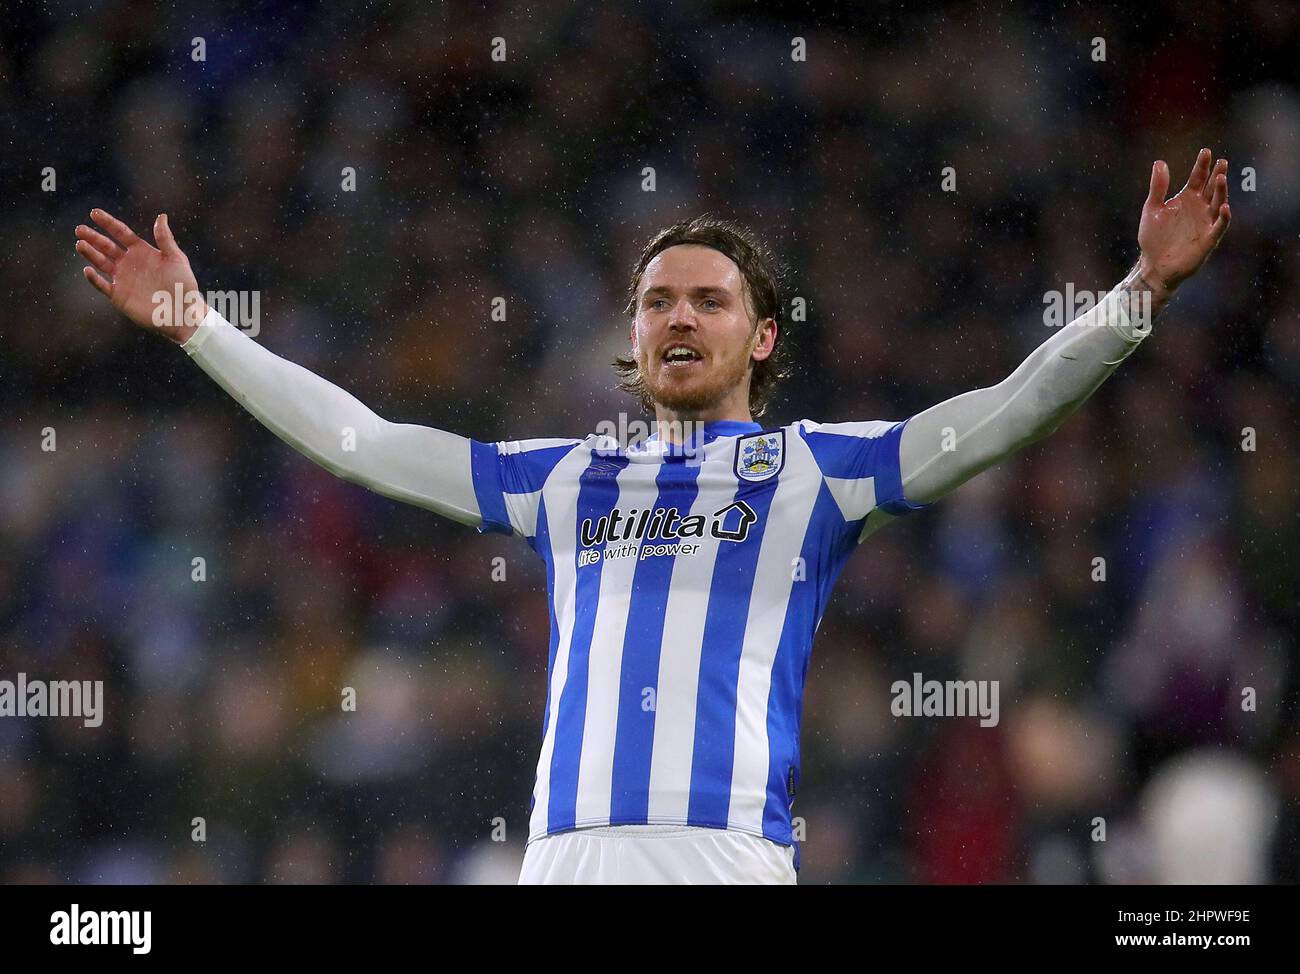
(710, 304)
(658, 304)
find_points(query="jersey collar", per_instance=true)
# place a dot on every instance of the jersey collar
(730, 427)
(720, 427)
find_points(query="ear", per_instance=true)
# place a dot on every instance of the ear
(631, 336)
(764, 339)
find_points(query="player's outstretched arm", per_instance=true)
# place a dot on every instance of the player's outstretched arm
(948, 444)
(417, 464)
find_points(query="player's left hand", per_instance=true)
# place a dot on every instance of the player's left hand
(1176, 235)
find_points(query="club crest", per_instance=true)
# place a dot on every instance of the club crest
(759, 456)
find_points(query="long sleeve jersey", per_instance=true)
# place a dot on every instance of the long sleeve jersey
(686, 580)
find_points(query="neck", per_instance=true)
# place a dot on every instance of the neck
(672, 425)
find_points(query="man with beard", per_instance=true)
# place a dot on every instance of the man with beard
(670, 742)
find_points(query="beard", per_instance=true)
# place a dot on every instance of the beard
(697, 393)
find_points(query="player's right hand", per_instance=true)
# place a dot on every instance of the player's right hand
(142, 280)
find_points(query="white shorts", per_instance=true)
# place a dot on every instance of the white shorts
(656, 855)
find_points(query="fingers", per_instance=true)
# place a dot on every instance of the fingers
(103, 286)
(1159, 183)
(119, 231)
(1219, 192)
(1221, 225)
(1210, 188)
(100, 242)
(1200, 171)
(101, 262)
(162, 235)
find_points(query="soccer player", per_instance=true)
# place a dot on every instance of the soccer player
(687, 573)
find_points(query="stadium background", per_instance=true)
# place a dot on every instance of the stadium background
(476, 179)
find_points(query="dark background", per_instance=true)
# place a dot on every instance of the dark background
(476, 179)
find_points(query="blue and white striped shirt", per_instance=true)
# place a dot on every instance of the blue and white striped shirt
(685, 587)
(684, 595)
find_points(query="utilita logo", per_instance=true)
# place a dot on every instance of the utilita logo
(667, 524)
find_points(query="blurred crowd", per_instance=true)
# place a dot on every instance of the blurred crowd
(1149, 724)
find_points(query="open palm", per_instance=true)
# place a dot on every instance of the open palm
(130, 272)
(1176, 235)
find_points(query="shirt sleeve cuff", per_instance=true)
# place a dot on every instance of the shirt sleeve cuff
(210, 323)
(1128, 314)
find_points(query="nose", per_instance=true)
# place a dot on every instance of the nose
(683, 316)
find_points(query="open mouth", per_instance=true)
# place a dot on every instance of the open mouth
(681, 357)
